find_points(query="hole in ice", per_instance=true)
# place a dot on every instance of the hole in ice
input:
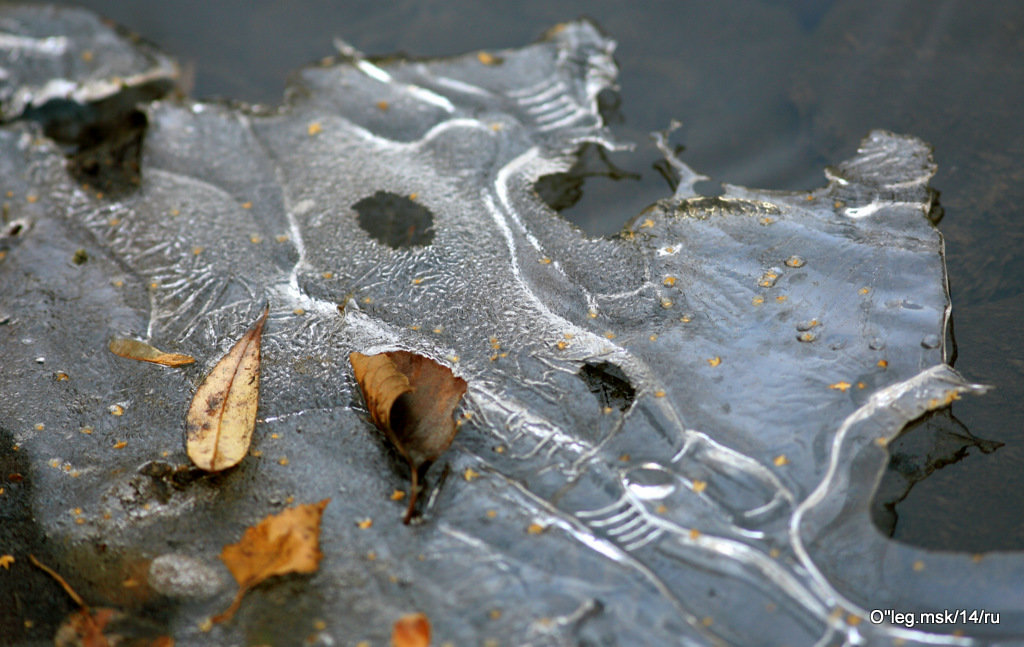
(14, 229)
(562, 191)
(395, 220)
(609, 106)
(926, 445)
(609, 385)
(106, 155)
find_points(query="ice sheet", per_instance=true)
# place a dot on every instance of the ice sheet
(677, 430)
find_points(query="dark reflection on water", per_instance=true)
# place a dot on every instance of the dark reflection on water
(768, 92)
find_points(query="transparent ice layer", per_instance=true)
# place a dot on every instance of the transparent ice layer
(671, 436)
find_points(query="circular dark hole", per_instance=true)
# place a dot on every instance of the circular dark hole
(395, 220)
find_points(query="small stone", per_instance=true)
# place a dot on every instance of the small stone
(183, 576)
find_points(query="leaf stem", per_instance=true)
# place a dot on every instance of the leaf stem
(60, 580)
(229, 613)
(413, 494)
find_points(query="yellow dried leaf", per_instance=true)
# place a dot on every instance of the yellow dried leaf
(223, 411)
(6, 561)
(140, 350)
(287, 542)
(412, 630)
(411, 399)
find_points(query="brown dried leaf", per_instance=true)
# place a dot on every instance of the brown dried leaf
(85, 628)
(223, 411)
(411, 630)
(287, 542)
(140, 350)
(411, 398)
(107, 628)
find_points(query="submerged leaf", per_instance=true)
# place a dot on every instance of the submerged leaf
(411, 398)
(412, 630)
(287, 542)
(223, 411)
(109, 628)
(84, 628)
(103, 627)
(140, 350)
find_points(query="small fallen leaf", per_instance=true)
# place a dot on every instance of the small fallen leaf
(287, 542)
(93, 628)
(140, 350)
(6, 561)
(412, 630)
(85, 628)
(108, 628)
(487, 58)
(223, 411)
(411, 398)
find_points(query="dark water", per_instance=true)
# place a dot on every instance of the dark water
(768, 92)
